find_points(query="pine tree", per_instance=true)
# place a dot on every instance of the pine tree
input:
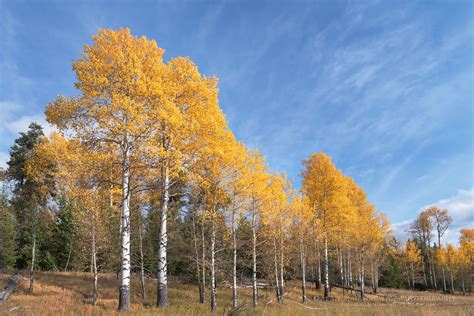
(8, 227)
(24, 191)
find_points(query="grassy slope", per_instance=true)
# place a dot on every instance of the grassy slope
(70, 293)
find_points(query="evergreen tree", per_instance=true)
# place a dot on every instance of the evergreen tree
(62, 237)
(24, 188)
(8, 227)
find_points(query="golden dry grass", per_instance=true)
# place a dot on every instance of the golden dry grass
(70, 294)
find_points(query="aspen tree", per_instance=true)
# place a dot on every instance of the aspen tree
(379, 245)
(451, 256)
(441, 222)
(259, 180)
(277, 218)
(302, 220)
(441, 258)
(237, 188)
(74, 170)
(323, 186)
(188, 117)
(466, 248)
(209, 173)
(413, 256)
(422, 230)
(151, 115)
(119, 78)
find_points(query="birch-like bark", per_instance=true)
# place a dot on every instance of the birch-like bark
(124, 291)
(350, 270)
(430, 272)
(303, 269)
(162, 289)
(346, 274)
(234, 263)
(203, 262)
(376, 281)
(213, 265)
(254, 260)
(435, 283)
(445, 290)
(68, 256)
(372, 276)
(282, 279)
(33, 259)
(341, 271)
(408, 278)
(362, 276)
(412, 276)
(142, 263)
(326, 267)
(277, 282)
(319, 282)
(94, 264)
(452, 281)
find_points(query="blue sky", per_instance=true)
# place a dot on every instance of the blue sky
(384, 87)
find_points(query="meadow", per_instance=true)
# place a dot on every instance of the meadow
(59, 293)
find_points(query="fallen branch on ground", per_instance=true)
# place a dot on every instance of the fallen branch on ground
(11, 286)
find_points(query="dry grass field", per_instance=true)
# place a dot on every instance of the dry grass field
(70, 294)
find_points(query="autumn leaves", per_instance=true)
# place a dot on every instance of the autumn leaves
(141, 127)
(344, 221)
(149, 120)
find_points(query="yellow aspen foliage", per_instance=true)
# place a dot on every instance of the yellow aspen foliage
(413, 253)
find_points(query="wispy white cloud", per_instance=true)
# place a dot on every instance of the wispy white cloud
(21, 124)
(4, 157)
(461, 209)
(10, 128)
(8, 111)
(400, 229)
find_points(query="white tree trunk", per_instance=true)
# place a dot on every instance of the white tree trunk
(282, 279)
(318, 287)
(124, 291)
(341, 271)
(94, 264)
(408, 271)
(254, 261)
(162, 291)
(326, 267)
(350, 281)
(445, 290)
(376, 279)
(277, 283)
(213, 266)
(362, 276)
(203, 262)
(452, 281)
(142, 263)
(234, 263)
(33, 259)
(434, 274)
(303, 269)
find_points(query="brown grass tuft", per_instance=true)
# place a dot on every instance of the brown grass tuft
(70, 294)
